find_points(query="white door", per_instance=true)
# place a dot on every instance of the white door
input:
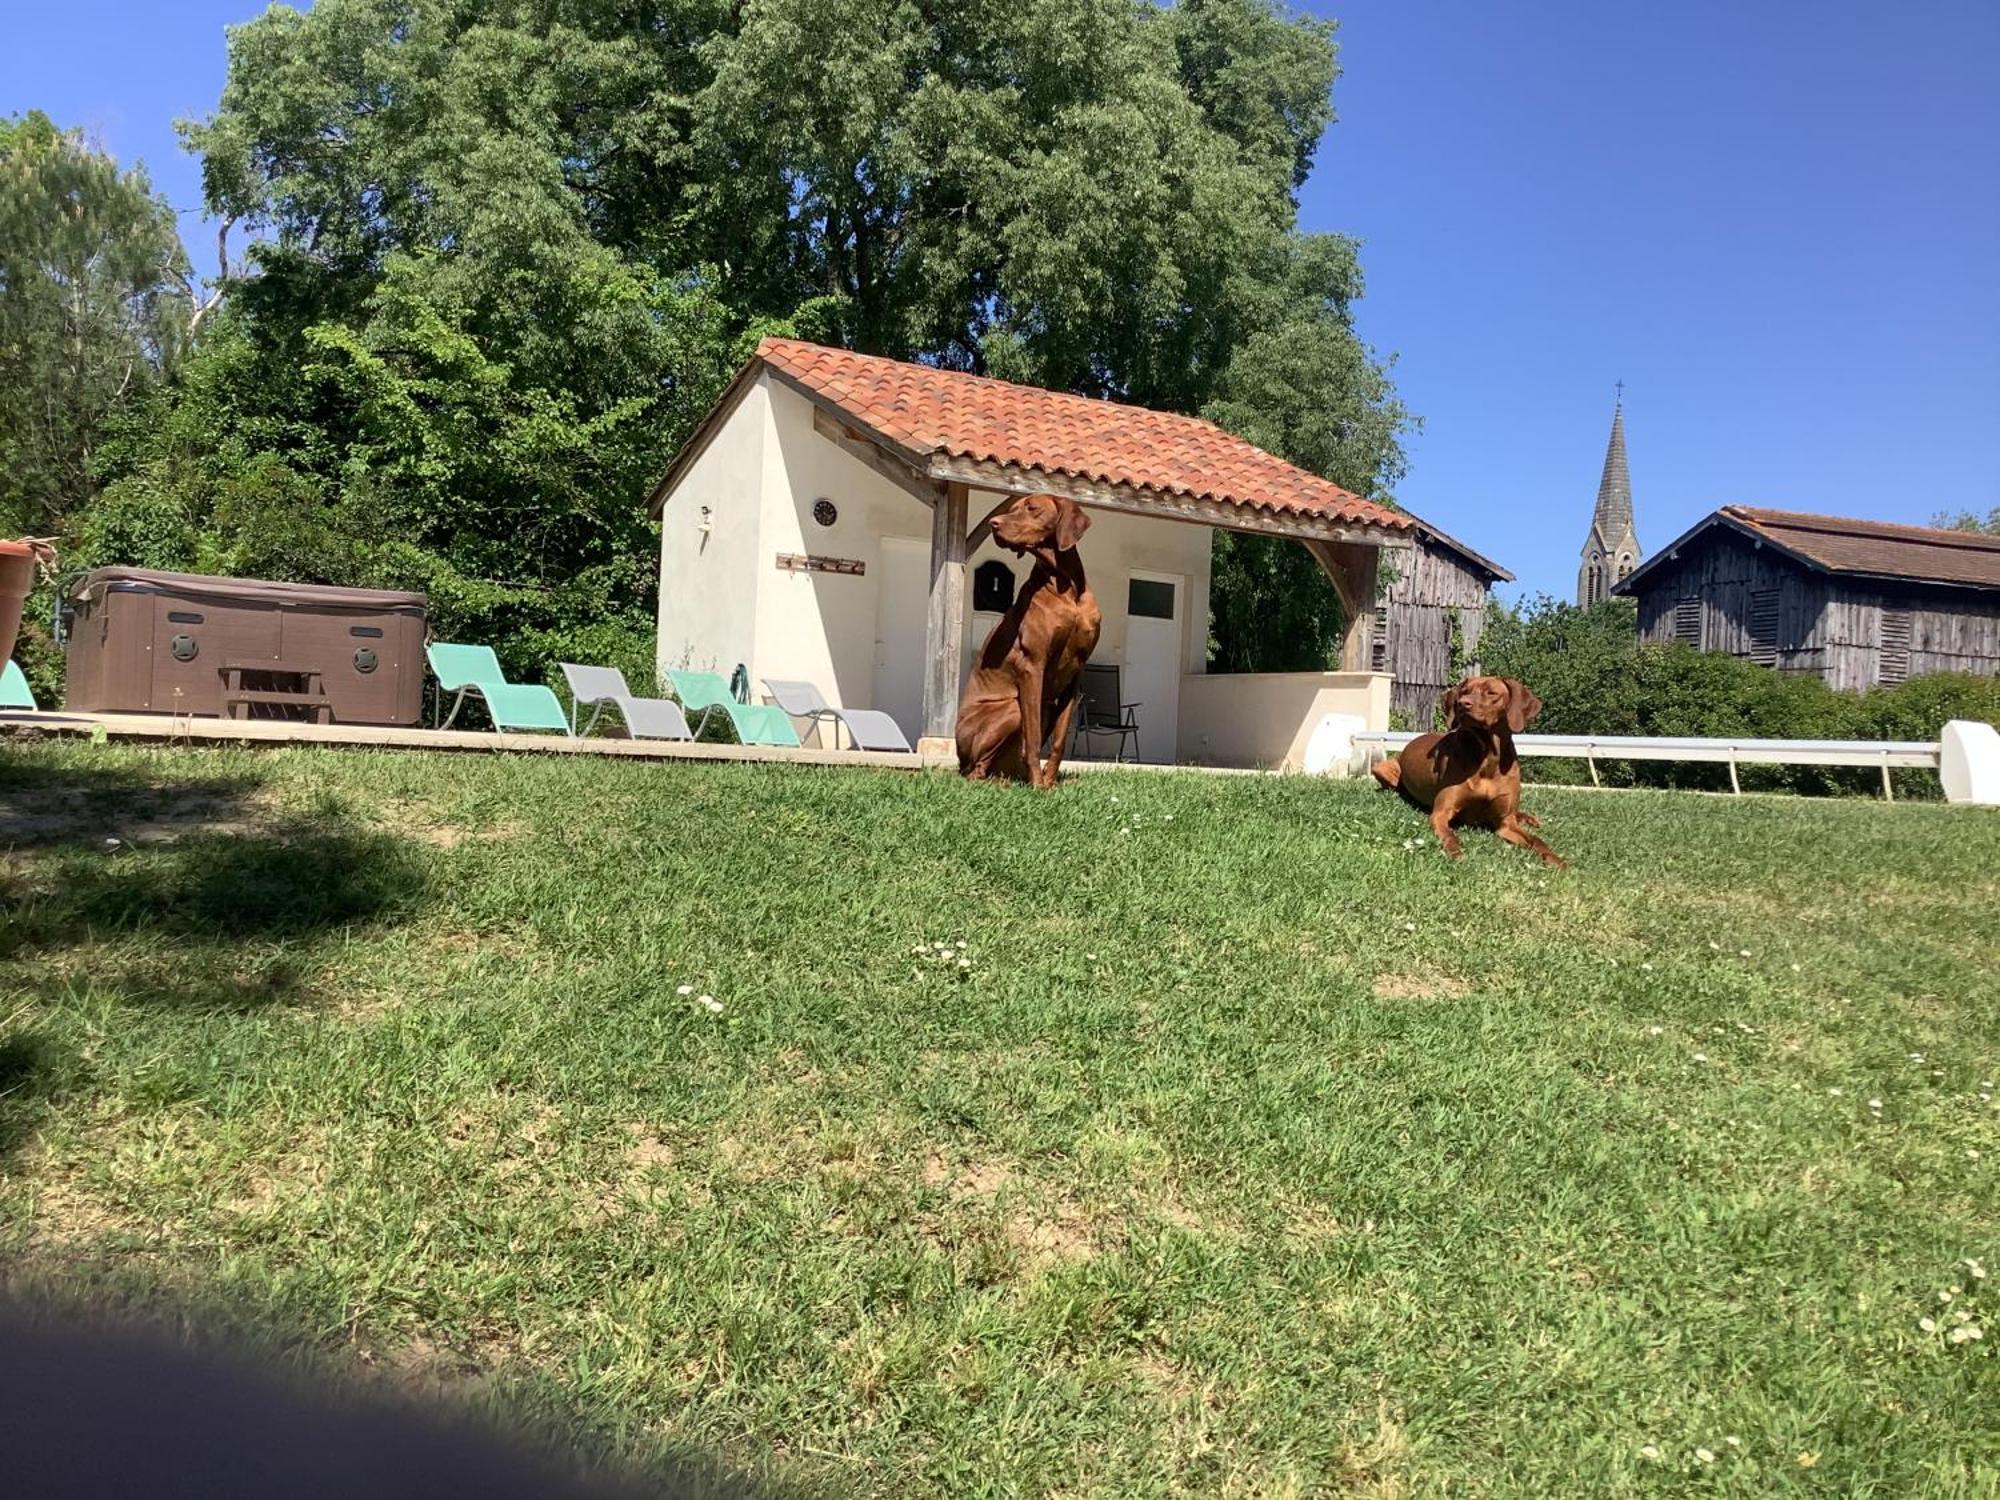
(902, 603)
(1155, 608)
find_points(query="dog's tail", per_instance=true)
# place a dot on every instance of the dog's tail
(1389, 772)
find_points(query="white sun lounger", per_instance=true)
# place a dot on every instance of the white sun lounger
(645, 718)
(868, 728)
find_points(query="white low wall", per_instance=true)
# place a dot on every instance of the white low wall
(1264, 719)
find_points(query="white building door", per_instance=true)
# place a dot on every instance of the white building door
(1155, 613)
(902, 604)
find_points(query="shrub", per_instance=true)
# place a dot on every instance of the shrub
(1594, 677)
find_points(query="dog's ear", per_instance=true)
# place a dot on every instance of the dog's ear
(1522, 705)
(1071, 523)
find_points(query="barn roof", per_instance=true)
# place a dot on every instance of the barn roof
(1479, 561)
(1841, 545)
(950, 425)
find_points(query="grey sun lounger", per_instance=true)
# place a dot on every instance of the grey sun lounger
(868, 728)
(645, 718)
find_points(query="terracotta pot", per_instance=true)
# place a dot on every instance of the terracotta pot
(17, 576)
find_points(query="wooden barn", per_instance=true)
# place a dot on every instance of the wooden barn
(1438, 585)
(1855, 602)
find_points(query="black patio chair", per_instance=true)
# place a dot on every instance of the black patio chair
(1101, 711)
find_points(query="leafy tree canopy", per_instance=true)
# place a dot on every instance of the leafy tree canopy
(90, 268)
(511, 249)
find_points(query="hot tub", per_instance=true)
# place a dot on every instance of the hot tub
(141, 641)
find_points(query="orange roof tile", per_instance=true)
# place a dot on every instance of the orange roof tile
(927, 412)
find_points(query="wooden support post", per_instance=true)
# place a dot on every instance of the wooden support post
(944, 624)
(1734, 785)
(1888, 787)
(1351, 567)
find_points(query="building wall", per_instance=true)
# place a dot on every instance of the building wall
(709, 580)
(821, 627)
(1756, 603)
(1265, 719)
(1433, 587)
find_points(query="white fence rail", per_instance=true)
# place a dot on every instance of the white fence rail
(1885, 754)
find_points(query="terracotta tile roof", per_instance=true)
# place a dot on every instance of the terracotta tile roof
(1878, 548)
(927, 412)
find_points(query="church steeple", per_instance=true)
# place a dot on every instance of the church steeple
(1611, 550)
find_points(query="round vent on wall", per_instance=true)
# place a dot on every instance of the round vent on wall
(825, 512)
(183, 647)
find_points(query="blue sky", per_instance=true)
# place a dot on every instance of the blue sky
(1776, 222)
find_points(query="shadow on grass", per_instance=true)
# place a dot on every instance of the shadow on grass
(27, 1075)
(46, 803)
(287, 882)
(224, 910)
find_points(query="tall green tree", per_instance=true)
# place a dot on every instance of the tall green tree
(511, 249)
(1967, 520)
(92, 282)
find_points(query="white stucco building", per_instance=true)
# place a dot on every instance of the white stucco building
(825, 523)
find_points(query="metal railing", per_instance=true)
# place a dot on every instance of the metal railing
(1590, 748)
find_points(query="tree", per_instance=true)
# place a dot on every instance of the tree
(513, 248)
(1966, 520)
(1302, 386)
(90, 266)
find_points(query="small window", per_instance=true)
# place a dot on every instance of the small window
(993, 587)
(1894, 664)
(1764, 627)
(1148, 598)
(1687, 621)
(1624, 566)
(1378, 642)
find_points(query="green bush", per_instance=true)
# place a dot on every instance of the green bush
(1594, 677)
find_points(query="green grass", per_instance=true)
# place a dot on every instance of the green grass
(1259, 1151)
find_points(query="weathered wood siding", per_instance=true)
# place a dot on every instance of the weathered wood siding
(1726, 593)
(1413, 621)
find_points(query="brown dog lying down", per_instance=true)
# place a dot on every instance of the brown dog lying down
(1023, 687)
(1470, 774)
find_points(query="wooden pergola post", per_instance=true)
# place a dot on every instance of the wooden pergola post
(944, 624)
(1351, 567)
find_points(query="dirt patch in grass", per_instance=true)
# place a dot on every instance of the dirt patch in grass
(452, 835)
(435, 1368)
(978, 1179)
(1053, 1234)
(647, 1150)
(68, 1214)
(427, 823)
(1041, 1225)
(136, 816)
(1421, 983)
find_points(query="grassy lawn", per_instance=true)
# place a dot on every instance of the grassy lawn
(1248, 1147)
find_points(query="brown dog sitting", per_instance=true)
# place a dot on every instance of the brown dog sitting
(1470, 774)
(1023, 687)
